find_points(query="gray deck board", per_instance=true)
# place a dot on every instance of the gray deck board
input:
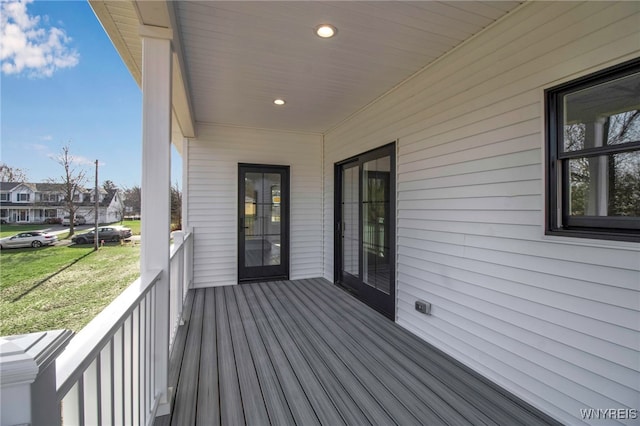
(186, 391)
(381, 376)
(274, 397)
(351, 398)
(252, 398)
(478, 395)
(208, 414)
(430, 392)
(305, 352)
(301, 408)
(321, 402)
(231, 411)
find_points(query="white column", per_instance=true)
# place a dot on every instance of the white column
(598, 201)
(185, 185)
(156, 180)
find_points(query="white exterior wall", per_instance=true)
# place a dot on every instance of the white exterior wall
(554, 320)
(212, 193)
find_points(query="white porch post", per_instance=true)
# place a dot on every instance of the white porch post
(185, 185)
(156, 181)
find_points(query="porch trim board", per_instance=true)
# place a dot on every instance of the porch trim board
(305, 352)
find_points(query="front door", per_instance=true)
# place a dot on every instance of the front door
(263, 222)
(365, 227)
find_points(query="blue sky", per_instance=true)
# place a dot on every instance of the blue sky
(62, 82)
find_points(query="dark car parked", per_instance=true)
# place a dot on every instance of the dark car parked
(105, 233)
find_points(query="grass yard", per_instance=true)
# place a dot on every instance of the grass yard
(134, 225)
(61, 286)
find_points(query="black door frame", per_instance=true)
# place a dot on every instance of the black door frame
(363, 291)
(264, 273)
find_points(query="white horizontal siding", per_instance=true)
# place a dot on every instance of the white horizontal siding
(554, 320)
(213, 159)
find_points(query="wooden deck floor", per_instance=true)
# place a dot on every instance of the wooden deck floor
(307, 353)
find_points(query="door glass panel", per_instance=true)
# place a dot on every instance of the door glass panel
(350, 221)
(375, 214)
(271, 254)
(262, 224)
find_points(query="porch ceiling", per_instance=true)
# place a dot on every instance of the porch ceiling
(235, 58)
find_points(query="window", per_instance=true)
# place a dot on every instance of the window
(4, 196)
(23, 197)
(51, 198)
(593, 155)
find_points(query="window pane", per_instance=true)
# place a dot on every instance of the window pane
(607, 185)
(606, 114)
(350, 221)
(262, 213)
(375, 214)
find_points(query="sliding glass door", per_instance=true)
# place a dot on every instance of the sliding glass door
(365, 227)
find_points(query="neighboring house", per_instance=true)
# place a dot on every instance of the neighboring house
(28, 202)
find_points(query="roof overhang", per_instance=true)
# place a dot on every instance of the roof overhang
(233, 58)
(122, 21)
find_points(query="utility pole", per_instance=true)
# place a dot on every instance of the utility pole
(96, 240)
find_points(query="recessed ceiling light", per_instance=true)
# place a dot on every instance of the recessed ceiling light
(279, 102)
(326, 31)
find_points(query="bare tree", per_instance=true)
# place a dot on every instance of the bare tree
(176, 207)
(132, 199)
(110, 187)
(12, 174)
(122, 209)
(72, 181)
(623, 169)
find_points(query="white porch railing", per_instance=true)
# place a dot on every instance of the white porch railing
(106, 374)
(181, 278)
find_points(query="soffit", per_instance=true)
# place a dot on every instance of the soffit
(239, 56)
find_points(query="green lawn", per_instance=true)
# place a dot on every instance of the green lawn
(62, 286)
(133, 224)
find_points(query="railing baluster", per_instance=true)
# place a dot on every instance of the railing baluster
(98, 386)
(108, 373)
(145, 369)
(90, 394)
(118, 374)
(152, 341)
(135, 367)
(106, 387)
(71, 411)
(128, 388)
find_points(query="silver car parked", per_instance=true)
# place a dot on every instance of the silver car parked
(28, 239)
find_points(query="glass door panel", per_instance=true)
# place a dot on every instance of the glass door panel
(351, 221)
(262, 243)
(375, 217)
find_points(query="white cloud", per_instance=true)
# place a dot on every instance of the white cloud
(74, 159)
(47, 138)
(28, 44)
(43, 149)
(84, 161)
